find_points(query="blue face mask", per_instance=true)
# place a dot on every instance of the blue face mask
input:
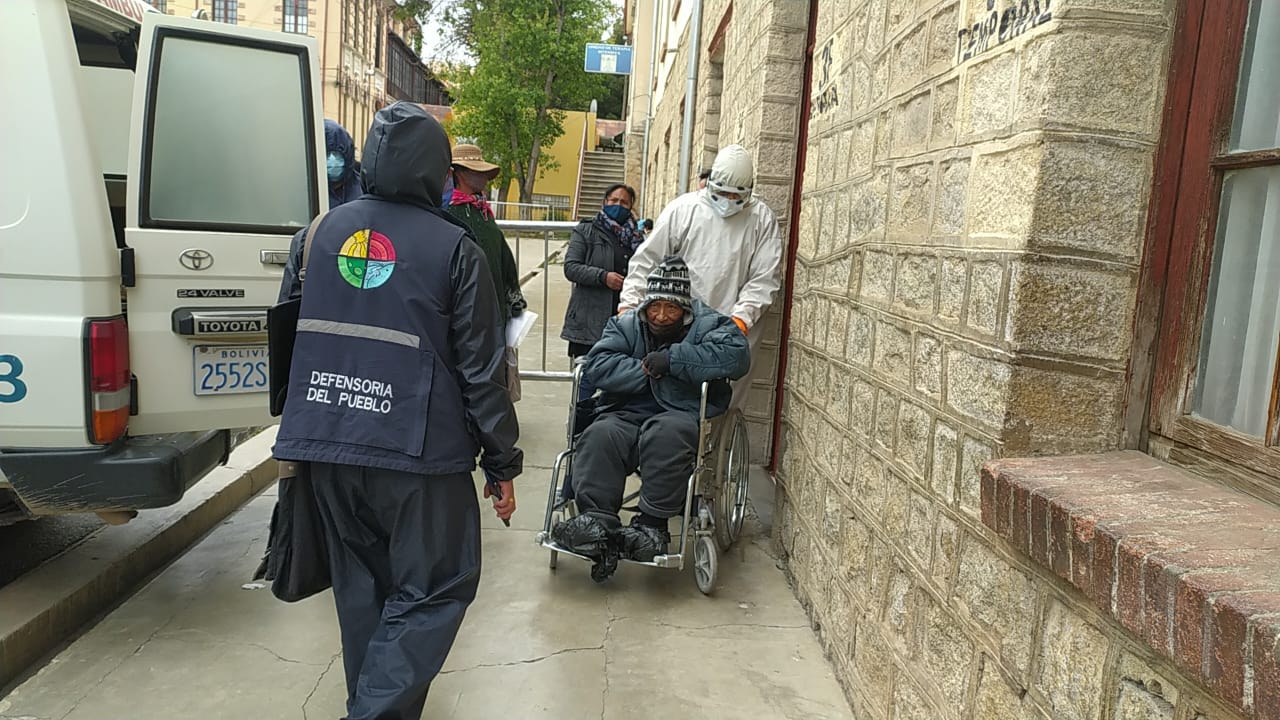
(336, 166)
(618, 213)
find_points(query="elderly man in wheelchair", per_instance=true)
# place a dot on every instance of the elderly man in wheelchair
(650, 365)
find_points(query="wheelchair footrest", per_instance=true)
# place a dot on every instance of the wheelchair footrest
(661, 561)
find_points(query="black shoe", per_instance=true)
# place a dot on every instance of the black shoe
(584, 535)
(643, 542)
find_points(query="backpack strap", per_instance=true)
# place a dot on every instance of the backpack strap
(306, 247)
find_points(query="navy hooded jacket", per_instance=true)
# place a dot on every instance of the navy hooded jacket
(398, 361)
(337, 139)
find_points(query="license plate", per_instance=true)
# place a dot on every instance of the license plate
(229, 369)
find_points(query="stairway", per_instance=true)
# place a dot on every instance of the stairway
(600, 169)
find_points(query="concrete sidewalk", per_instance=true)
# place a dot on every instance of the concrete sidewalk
(194, 643)
(536, 644)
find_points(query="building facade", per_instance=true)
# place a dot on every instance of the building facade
(1017, 229)
(366, 55)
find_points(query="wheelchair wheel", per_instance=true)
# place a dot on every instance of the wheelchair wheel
(704, 564)
(733, 472)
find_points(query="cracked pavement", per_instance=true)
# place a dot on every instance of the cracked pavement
(536, 644)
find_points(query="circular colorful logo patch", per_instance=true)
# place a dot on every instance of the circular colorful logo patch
(367, 259)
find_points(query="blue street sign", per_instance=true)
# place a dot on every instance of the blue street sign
(608, 59)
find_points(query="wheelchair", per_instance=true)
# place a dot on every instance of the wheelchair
(715, 503)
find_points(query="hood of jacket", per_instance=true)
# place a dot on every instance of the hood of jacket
(337, 139)
(406, 156)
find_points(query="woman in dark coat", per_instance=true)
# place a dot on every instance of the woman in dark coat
(596, 264)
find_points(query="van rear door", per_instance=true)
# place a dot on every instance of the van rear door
(224, 166)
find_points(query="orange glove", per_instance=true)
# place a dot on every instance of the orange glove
(742, 324)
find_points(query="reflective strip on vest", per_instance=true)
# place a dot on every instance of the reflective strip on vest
(368, 332)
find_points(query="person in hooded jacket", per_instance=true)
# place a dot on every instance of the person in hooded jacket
(730, 240)
(344, 186)
(397, 383)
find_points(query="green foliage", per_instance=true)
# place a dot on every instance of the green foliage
(528, 68)
(418, 10)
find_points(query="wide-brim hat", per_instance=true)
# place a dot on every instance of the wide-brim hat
(470, 157)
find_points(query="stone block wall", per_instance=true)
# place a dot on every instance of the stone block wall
(975, 192)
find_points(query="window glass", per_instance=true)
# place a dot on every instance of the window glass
(227, 151)
(1257, 114)
(1241, 324)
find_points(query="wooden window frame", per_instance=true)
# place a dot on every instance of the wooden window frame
(717, 43)
(295, 11)
(230, 10)
(1182, 227)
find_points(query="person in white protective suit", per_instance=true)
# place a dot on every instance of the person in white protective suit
(730, 240)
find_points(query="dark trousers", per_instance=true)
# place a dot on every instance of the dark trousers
(404, 553)
(662, 447)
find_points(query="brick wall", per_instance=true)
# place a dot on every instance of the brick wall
(973, 207)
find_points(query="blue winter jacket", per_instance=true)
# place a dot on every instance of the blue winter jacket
(713, 350)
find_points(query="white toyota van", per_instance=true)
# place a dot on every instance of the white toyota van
(152, 172)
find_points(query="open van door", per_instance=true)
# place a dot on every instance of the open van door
(225, 164)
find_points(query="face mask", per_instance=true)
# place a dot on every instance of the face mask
(617, 213)
(665, 334)
(724, 207)
(336, 165)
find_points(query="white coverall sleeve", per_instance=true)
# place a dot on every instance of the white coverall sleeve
(762, 284)
(651, 252)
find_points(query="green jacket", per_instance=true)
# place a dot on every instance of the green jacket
(502, 264)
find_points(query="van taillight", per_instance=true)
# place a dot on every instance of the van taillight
(107, 344)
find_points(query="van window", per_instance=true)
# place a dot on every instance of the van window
(227, 137)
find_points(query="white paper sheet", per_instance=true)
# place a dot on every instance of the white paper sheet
(519, 326)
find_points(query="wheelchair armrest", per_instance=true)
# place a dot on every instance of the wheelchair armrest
(706, 394)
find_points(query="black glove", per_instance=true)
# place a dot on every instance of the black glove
(657, 363)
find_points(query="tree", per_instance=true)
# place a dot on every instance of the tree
(528, 69)
(415, 11)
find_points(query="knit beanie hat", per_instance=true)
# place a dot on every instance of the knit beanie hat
(670, 281)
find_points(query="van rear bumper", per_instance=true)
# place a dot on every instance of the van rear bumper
(148, 471)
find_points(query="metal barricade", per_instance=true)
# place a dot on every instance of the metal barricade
(551, 233)
(521, 212)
